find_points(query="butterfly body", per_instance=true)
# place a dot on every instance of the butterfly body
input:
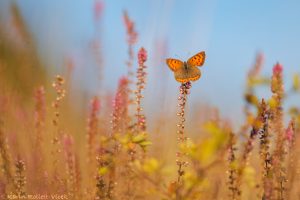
(185, 65)
(187, 71)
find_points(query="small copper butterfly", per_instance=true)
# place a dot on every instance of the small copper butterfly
(187, 71)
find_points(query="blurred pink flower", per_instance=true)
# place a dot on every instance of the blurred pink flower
(120, 106)
(276, 81)
(123, 81)
(256, 69)
(142, 56)
(140, 85)
(120, 100)
(95, 104)
(92, 126)
(289, 133)
(277, 69)
(98, 9)
(131, 33)
(67, 142)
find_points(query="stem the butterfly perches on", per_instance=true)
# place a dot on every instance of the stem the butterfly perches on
(181, 163)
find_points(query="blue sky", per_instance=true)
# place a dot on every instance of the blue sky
(231, 32)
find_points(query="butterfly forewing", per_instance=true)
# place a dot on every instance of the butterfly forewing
(197, 60)
(174, 64)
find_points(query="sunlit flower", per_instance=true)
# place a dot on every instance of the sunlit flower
(142, 56)
(277, 69)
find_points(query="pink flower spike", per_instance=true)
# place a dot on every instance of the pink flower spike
(98, 9)
(123, 81)
(95, 104)
(67, 143)
(131, 33)
(142, 56)
(289, 133)
(277, 69)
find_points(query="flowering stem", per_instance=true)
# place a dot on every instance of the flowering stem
(20, 179)
(264, 150)
(184, 91)
(92, 128)
(244, 160)
(140, 86)
(232, 182)
(277, 111)
(55, 151)
(131, 41)
(5, 156)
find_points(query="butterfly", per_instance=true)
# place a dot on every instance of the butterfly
(187, 71)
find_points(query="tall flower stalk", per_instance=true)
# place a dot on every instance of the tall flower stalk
(232, 172)
(131, 41)
(278, 127)
(20, 179)
(58, 86)
(247, 149)
(6, 165)
(101, 185)
(120, 119)
(181, 163)
(70, 158)
(140, 86)
(92, 129)
(253, 80)
(264, 150)
(120, 122)
(40, 115)
(292, 160)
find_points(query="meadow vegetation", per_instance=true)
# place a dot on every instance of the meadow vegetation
(106, 152)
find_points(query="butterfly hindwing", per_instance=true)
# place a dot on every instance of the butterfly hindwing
(174, 64)
(197, 60)
(194, 73)
(181, 75)
(184, 75)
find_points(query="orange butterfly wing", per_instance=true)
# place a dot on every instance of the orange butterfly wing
(174, 64)
(197, 60)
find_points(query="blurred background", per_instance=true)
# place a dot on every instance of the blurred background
(87, 38)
